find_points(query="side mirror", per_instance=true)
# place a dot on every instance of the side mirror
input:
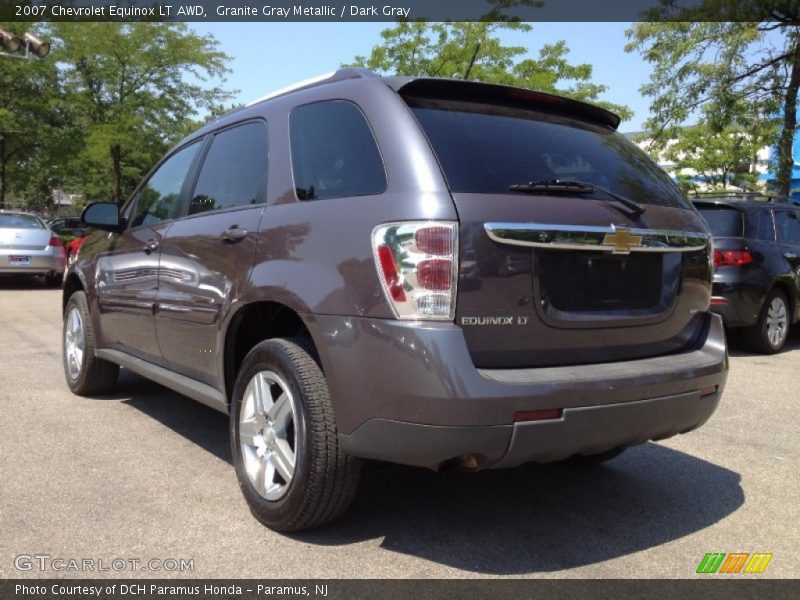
(102, 215)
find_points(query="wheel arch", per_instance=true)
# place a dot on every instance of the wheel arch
(72, 284)
(255, 322)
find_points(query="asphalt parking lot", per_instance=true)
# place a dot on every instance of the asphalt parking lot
(145, 473)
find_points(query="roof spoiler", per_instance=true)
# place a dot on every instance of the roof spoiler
(460, 89)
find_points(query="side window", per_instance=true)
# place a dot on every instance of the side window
(159, 199)
(333, 152)
(788, 225)
(762, 228)
(234, 172)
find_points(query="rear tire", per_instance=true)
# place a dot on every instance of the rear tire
(769, 333)
(290, 467)
(86, 374)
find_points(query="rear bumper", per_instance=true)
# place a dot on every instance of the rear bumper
(42, 262)
(409, 393)
(738, 303)
(585, 430)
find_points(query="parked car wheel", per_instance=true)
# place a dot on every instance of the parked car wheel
(86, 374)
(769, 334)
(290, 467)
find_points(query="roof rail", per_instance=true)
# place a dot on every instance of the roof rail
(742, 196)
(341, 74)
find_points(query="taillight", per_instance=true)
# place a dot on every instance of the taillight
(390, 275)
(732, 258)
(417, 265)
(55, 241)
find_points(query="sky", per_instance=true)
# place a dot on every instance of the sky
(269, 56)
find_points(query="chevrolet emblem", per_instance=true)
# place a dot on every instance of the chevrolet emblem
(621, 241)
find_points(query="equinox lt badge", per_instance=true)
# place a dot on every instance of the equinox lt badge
(519, 320)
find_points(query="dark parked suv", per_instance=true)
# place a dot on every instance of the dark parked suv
(430, 272)
(756, 266)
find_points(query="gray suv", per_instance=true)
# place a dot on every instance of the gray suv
(430, 272)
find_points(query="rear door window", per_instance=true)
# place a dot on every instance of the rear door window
(723, 220)
(485, 149)
(234, 171)
(787, 222)
(334, 153)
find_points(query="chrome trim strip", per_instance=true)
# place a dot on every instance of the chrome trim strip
(614, 239)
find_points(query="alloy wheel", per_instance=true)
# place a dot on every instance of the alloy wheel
(74, 342)
(267, 434)
(777, 321)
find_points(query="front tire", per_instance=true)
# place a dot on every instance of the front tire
(86, 374)
(290, 467)
(769, 333)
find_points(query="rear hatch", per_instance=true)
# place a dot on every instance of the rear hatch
(22, 232)
(580, 248)
(727, 223)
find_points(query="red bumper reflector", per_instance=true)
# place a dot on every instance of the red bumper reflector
(718, 301)
(537, 415)
(708, 391)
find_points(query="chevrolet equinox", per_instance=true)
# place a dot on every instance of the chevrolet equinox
(430, 272)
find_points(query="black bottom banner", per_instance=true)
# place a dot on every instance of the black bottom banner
(414, 589)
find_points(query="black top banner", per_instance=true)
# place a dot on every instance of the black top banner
(399, 10)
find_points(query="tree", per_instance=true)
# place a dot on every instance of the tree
(703, 61)
(720, 159)
(473, 51)
(32, 124)
(134, 89)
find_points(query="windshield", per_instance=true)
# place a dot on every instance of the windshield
(723, 222)
(13, 221)
(486, 149)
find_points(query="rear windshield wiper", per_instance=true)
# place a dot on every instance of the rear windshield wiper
(571, 186)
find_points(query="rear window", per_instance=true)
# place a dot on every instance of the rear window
(20, 222)
(723, 221)
(486, 148)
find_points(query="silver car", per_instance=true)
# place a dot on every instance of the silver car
(29, 247)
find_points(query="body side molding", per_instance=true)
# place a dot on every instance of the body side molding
(195, 390)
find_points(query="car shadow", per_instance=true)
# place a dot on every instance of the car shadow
(535, 518)
(738, 348)
(22, 283)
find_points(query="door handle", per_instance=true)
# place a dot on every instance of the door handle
(790, 255)
(151, 245)
(234, 234)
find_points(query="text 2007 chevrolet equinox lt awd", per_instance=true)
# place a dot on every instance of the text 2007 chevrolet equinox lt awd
(430, 272)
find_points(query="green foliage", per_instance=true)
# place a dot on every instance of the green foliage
(133, 91)
(732, 74)
(721, 158)
(473, 51)
(32, 125)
